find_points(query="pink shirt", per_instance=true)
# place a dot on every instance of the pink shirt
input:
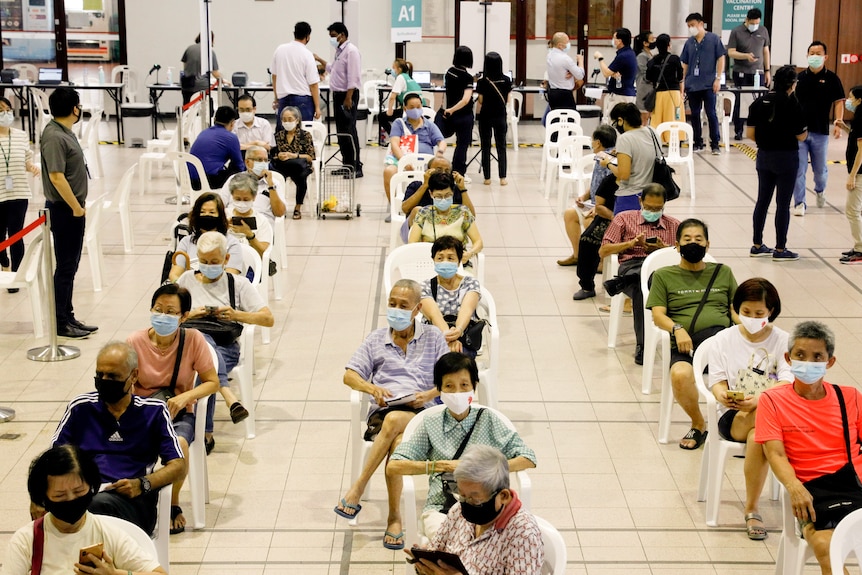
(155, 367)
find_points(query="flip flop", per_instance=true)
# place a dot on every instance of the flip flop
(176, 510)
(755, 532)
(341, 513)
(697, 435)
(393, 546)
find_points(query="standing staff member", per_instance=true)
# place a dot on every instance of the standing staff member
(191, 80)
(564, 75)
(64, 180)
(749, 48)
(621, 73)
(345, 81)
(702, 65)
(295, 76)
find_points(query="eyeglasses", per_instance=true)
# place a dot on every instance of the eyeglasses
(442, 196)
(469, 501)
(168, 311)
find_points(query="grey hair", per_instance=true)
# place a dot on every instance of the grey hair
(484, 465)
(296, 114)
(812, 330)
(128, 351)
(210, 241)
(256, 150)
(244, 181)
(412, 286)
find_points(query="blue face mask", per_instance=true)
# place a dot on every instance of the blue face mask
(413, 113)
(211, 271)
(651, 216)
(808, 372)
(445, 269)
(851, 107)
(164, 324)
(333, 41)
(399, 319)
(444, 204)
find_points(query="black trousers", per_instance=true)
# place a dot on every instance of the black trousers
(345, 125)
(463, 126)
(386, 121)
(12, 213)
(776, 173)
(141, 510)
(633, 290)
(559, 99)
(68, 235)
(497, 124)
(297, 170)
(740, 80)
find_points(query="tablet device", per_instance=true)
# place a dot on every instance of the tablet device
(449, 559)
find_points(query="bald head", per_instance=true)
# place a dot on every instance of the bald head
(560, 40)
(439, 163)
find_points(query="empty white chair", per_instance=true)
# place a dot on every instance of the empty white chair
(29, 276)
(846, 539)
(554, 133)
(318, 135)
(27, 72)
(42, 109)
(128, 77)
(181, 162)
(555, 548)
(372, 103)
(569, 171)
(675, 156)
(514, 109)
(120, 203)
(93, 240)
(89, 142)
(397, 186)
(725, 115)
(793, 550)
(562, 115)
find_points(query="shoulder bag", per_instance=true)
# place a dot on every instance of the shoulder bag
(223, 332)
(837, 494)
(662, 173)
(649, 99)
(165, 393)
(450, 488)
(472, 336)
(698, 337)
(38, 546)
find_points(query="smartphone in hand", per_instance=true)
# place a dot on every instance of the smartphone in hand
(95, 550)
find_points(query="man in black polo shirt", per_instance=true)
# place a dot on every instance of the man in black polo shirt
(64, 181)
(819, 92)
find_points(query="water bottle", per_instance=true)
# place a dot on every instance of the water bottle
(757, 78)
(101, 74)
(170, 76)
(676, 113)
(86, 77)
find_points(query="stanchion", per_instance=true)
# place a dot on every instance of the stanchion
(6, 414)
(53, 351)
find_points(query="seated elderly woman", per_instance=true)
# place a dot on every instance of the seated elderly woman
(228, 300)
(293, 154)
(64, 480)
(487, 528)
(243, 191)
(444, 218)
(442, 437)
(428, 139)
(805, 429)
(207, 214)
(416, 194)
(746, 359)
(449, 299)
(169, 359)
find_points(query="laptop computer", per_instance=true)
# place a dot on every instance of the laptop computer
(50, 75)
(423, 78)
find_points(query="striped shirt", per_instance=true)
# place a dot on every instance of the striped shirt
(15, 153)
(628, 225)
(439, 436)
(380, 361)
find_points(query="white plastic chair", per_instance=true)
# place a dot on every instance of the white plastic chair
(263, 290)
(846, 539)
(397, 186)
(121, 205)
(181, 161)
(675, 156)
(369, 88)
(554, 133)
(514, 109)
(93, 240)
(725, 118)
(716, 449)
(318, 136)
(137, 534)
(793, 550)
(244, 370)
(428, 114)
(569, 170)
(413, 531)
(89, 142)
(161, 536)
(27, 72)
(43, 111)
(198, 476)
(418, 162)
(29, 277)
(562, 115)
(413, 261)
(556, 555)
(279, 243)
(128, 77)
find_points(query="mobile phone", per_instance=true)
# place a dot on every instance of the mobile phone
(251, 221)
(735, 395)
(653, 240)
(95, 550)
(211, 309)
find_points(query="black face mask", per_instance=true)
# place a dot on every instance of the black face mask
(70, 511)
(208, 223)
(652, 45)
(692, 253)
(620, 128)
(481, 514)
(110, 391)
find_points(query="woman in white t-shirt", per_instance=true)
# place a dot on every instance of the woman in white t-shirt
(243, 190)
(64, 480)
(753, 348)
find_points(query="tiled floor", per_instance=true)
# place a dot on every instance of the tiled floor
(624, 503)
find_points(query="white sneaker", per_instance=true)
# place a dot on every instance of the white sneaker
(799, 210)
(821, 199)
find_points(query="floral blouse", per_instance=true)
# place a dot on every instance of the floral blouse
(302, 143)
(455, 223)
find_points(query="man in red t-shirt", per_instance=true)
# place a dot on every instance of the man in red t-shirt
(801, 429)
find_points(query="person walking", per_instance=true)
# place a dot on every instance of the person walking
(493, 89)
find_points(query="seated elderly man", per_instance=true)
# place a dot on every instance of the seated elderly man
(396, 364)
(268, 201)
(170, 358)
(229, 300)
(807, 430)
(217, 147)
(488, 528)
(252, 130)
(126, 435)
(417, 195)
(428, 139)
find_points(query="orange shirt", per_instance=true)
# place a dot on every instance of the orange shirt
(811, 430)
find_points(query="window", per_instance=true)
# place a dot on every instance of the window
(605, 16)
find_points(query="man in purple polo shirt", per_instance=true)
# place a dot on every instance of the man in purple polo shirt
(345, 81)
(393, 362)
(218, 149)
(126, 435)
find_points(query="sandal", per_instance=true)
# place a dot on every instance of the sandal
(755, 532)
(694, 434)
(393, 546)
(297, 215)
(176, 511)
(209, 444)
(342, 513)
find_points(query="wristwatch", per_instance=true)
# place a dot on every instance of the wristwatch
(145, 484)
(599, 59)
(675, 327)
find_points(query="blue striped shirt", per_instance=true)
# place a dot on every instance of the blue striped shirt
(380, 361)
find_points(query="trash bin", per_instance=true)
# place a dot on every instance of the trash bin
(591, 115)
(362, 119)
(137, 123)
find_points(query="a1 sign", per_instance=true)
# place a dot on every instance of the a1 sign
(406, 20)
(850, 58)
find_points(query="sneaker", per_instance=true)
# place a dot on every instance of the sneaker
(849, 253)
(716, 151)
(784, 256)
(799, 210)
(760, 252)
(699, 148)
(388, 219)
(821, 199)
(853, 259)
(587, 294)
(738, 136)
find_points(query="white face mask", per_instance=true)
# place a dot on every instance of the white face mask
(457, 403)
(242, 207)
(753, 28)
(753, 325)
(6, 119)
(692, 30)
(246, 117)
(289, 126)
(259, 168)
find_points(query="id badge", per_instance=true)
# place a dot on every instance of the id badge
(9, 183)
(697, 70)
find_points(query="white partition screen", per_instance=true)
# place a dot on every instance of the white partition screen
(486, 32)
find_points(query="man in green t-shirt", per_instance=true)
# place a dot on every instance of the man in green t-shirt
(675, 299)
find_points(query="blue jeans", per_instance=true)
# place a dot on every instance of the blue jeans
(228, 357)
(775, 169)
(697, 100)
(304, 103)
(814, 145)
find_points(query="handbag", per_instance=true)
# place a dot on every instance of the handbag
(649, 98)
(444, 123)
(662, 173)
(223, 332)
(836, 494)
(165, 393)
(447, 479)
(472, 336)
(754, 380)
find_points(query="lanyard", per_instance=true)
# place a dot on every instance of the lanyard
(8, 156)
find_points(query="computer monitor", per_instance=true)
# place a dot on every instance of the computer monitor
(422, 77)
(50, 75)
